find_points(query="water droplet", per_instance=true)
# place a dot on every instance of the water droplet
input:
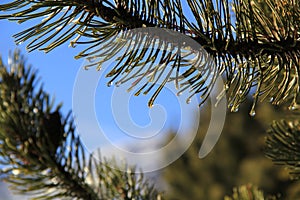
(179, 93)
(241, 92)
(188, 100)
(16, 172)
(226, 86)
(234, 109)
(35, 110)
(110, 83)
(55, 180)
(291, 107)
(271, 99)
(150, 105)
(72, 44)
(99, 67)
(45, 172)
(252, 113)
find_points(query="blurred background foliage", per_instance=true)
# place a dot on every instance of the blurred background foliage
(237, 159)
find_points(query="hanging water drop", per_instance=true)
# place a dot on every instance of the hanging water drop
(235, 109)
(72, 44)
(241, 92)
(150, 104)
(179, 93)
(99, 67)
(35, 110)
(16, 172)
(252, 113)
(271, 99)
(293, 106)
(287, 134)
(110, 83)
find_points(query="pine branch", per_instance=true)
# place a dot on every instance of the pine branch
(248, 192)
(283, 145)
(255, 48)
(41, 154)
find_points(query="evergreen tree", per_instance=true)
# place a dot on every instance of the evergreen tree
(247, 192)
(41, 155)
(237, 159)
(255, 45)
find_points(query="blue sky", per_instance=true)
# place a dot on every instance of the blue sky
(58, 70)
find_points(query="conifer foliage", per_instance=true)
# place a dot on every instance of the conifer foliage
(41, 154)
(255, 45)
